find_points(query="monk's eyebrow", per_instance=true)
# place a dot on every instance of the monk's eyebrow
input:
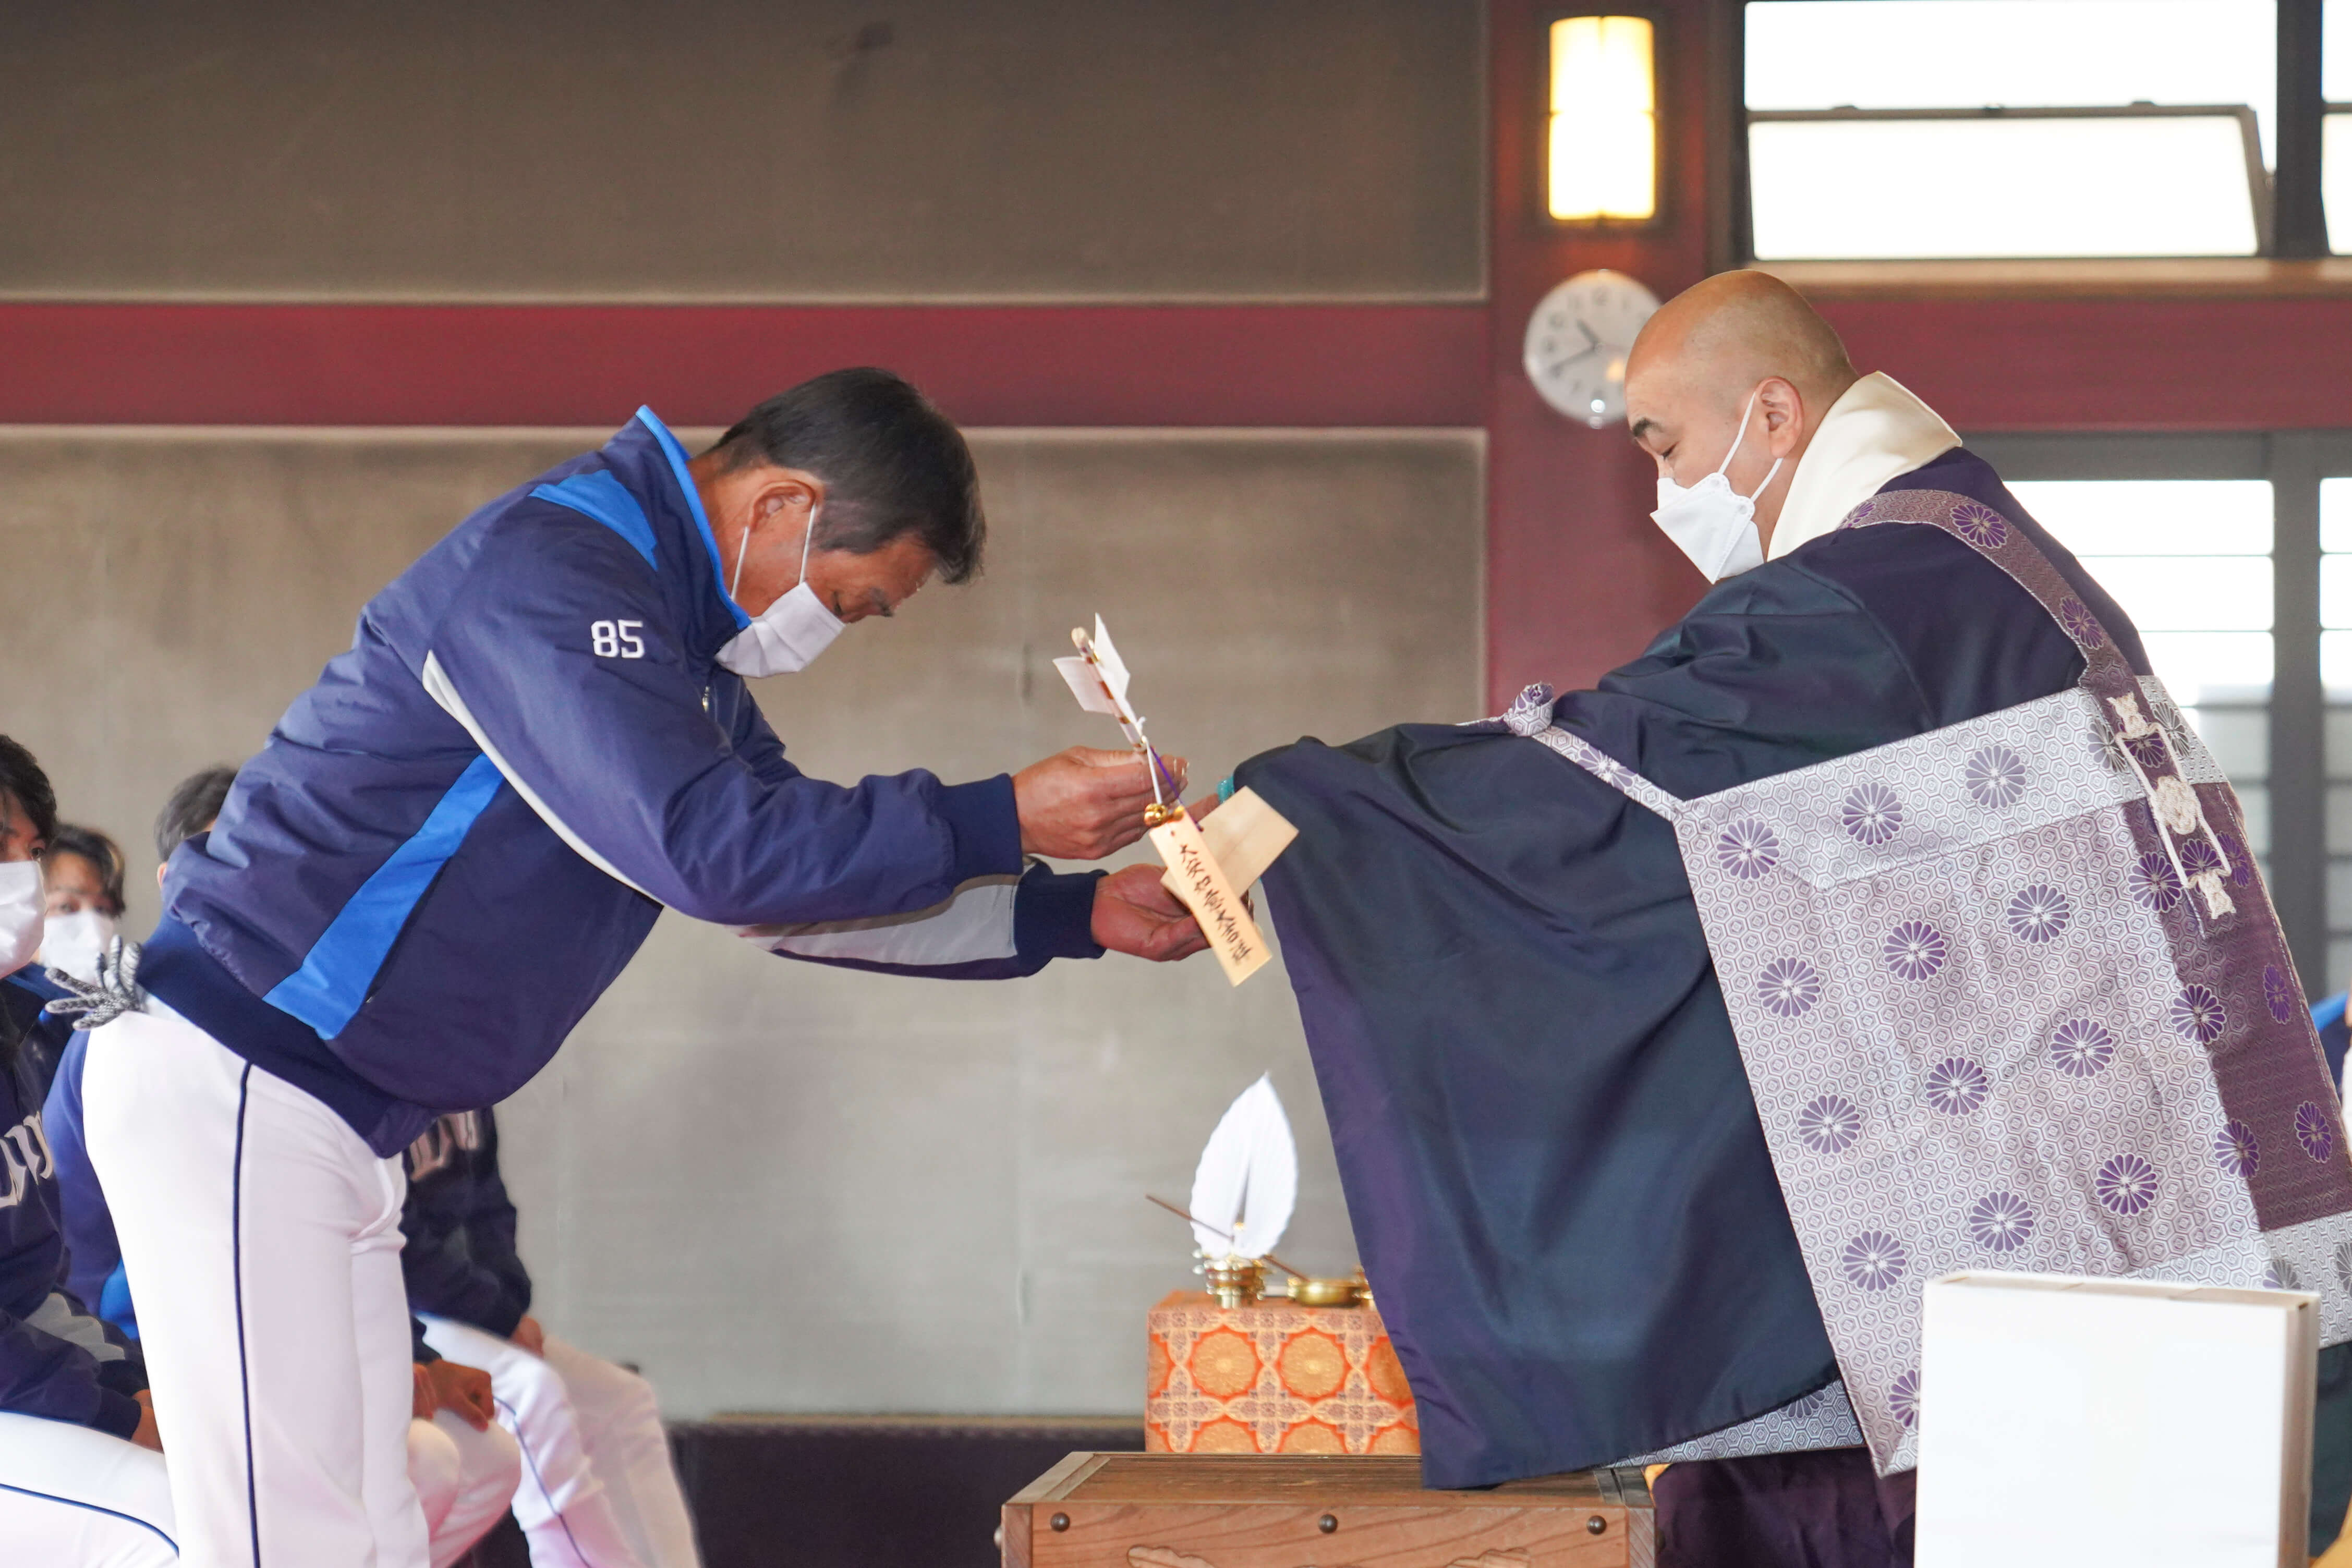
(1642, 428)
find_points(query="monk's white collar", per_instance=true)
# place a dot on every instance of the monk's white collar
(1876, 430)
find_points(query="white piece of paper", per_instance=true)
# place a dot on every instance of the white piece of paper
(1114, 668)
(1087, 685)
(1247, 1183)
(2065, 1421)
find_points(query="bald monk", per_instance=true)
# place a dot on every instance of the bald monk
(1552, 1155)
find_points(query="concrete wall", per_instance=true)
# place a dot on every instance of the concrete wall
(742, 148)
(778, 1187)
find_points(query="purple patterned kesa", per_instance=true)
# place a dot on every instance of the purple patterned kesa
(2197, 858)
(1903, 1399)
(1829, 1123)
(2147, 751)
(2080, 624)
(2001, 1221)
(1915, 950)
(2236, 1149)
(1875, 1261)
(2155, 885)
(1789, 987)
(2082, 1048)
(1748, 849)
(2197, 1014)
(1980, 526)
(2241, 865)
(1872, 815)
(2126, 1184)
(2312, 1130)
(2282, 1275)
(2279, 993)
(1957, 1086)
(2040, 913)
(1995, 777)
(2344, 1264)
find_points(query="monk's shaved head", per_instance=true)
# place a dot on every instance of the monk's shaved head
(1741, 345)
(1718, 339)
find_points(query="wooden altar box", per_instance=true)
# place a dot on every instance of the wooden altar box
(1280, 1510)
(1273, 1378)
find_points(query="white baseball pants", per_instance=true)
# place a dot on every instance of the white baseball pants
(73, 1497)
(262, 1239)
(598, 1487)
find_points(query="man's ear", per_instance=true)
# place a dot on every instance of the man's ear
(1781, 408)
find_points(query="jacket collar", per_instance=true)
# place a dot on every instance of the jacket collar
(647, 457)
(1876, 430)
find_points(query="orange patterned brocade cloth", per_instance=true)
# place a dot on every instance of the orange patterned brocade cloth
(1273, 1378)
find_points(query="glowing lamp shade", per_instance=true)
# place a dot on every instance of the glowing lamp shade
(1603, 143)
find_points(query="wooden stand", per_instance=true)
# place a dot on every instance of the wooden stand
(1279, 1510)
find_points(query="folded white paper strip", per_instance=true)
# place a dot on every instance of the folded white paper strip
(1247, 1182)
(2066, 1421)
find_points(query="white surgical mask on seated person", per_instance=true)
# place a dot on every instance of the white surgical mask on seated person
(1712, 523)
(24, 898)
(790, 633)
(73, 942)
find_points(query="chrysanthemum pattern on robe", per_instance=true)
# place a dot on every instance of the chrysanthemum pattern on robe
(2081, 1047)
(1871, 815)
(2279, 993)
(2282, 1275)
(1904, 1401)
(2198, 1014)
(2197, 858)
(1980, 526)
(1789, 987)
(2344, 1264)
(1875, 1261)
(2040, 913)
(2126, 1184)
(1957, 1086)
(2080, 624)
(1996, 777)
(1748, 849)
(1829, 1123)
(2312, 1131)
(2147, 751)
(2236, 1149)
(1915, 950)
(2155, 885)
(2000, 1220)
(2241, 864)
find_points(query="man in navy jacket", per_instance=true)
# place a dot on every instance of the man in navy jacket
(452, 844)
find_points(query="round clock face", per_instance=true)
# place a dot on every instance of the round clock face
(1576, 343)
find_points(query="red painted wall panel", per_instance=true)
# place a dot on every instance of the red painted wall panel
(1399, 365)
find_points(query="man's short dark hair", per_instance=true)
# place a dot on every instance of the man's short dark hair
(99, 850)
(21, 777)
(892, 465)
(195, 802)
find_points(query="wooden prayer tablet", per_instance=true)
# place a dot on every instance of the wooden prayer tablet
(1282, 1511)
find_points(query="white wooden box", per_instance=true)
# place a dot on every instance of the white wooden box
(2067, 1421)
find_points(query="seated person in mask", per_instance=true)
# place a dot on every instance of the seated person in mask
(81, 1479)
(84, 870)
(1551, 1153)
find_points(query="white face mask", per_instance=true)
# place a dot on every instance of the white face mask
(23, 899)
(1713, 524)
(790, 633)
(74, 941)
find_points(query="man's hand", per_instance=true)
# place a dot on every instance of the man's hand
(445, 1386)
(146, 1433)
(1134, 914)
(530, 1336)
(1082, 804)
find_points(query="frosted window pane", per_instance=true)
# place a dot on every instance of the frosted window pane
(2335, 176)
(2208, 666)
(2339, 960)
(2003, 188)
(2254, 805)
(2239, 738)
(2187, 592)
(2336, 662)
(1967, 54)
(2156, 516)
(2335, 514)
(2336, 52)
(2339, 743)
(2335, 590)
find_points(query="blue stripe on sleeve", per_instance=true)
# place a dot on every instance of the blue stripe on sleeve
(334, 977)
(2327, 1010)
(676, 455)
(600, 495)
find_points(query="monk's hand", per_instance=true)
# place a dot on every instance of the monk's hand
(1085, 803)
(1134, 914)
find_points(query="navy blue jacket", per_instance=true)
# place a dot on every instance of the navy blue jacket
(56, 1360)
(454, 842)
(459, 1258)
(1550, 1153)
